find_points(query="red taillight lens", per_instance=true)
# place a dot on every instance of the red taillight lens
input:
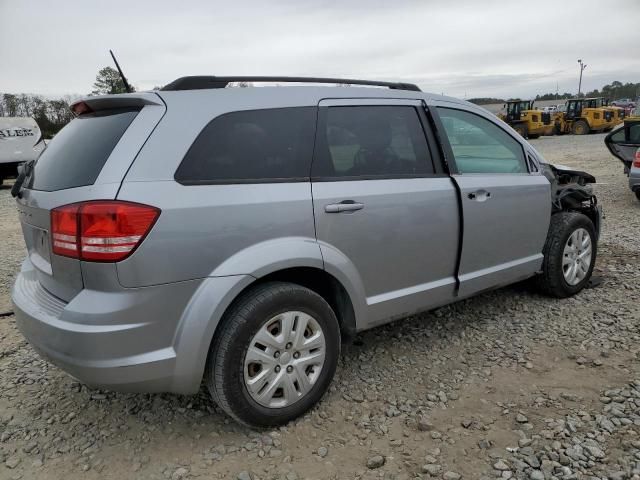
(102, 230)
(636, 162)
(64, 230)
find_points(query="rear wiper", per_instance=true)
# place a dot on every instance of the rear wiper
(23, 172)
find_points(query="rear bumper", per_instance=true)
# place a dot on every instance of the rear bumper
(122, 340)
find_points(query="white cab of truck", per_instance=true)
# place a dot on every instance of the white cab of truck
(20, 141)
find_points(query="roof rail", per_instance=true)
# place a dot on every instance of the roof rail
(209, 81)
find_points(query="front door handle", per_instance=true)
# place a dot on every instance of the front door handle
(479, 195)
(344, 206)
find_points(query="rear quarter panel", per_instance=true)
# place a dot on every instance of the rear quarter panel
(214, 230)
(205, 230)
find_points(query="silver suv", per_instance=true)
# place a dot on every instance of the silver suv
(237, 236)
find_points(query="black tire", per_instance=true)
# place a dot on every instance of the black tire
(533, 136)
(581, 128)
(224, 375)
(551, 281)
(521, 129)
(637, 192)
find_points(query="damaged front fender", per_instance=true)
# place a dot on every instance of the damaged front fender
(572, 190)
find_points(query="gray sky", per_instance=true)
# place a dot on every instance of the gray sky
(460, 47)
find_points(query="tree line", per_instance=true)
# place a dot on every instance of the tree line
(614, 91)
(53, 114)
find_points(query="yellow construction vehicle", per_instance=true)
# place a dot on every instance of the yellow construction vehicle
(527, 121)
(618, 112)
(579, 118)
(613, 115)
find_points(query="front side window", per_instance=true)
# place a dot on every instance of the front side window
(372, 141)
(252, 146)
(479, 145)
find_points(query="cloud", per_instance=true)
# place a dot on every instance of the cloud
(472, 48)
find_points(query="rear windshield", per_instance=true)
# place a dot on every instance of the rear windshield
(76, 155)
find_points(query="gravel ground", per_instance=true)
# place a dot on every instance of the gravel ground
(509, 384)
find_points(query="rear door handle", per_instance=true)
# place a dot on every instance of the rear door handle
(344, 206)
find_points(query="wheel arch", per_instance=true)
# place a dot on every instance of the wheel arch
(203, 317)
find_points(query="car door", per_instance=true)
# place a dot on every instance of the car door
(506, 208)
(385, 212)
(623, 142)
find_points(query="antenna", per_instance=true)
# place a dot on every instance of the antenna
(124, 79)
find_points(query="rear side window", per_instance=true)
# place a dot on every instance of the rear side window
(252, 146)
(77, 154)
(619, 136)
(372, 141)
(479, 145)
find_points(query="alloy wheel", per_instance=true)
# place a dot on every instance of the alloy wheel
(577, 256)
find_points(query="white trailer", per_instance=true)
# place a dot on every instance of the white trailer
(20, 141)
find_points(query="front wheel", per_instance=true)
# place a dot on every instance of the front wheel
(521, 129)
(569, 254)
(274, 356)
(581, 128)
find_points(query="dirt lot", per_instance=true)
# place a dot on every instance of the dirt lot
(510, 384)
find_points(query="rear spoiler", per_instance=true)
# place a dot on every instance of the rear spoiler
(124, 100)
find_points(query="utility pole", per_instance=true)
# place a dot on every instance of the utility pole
(582, 67)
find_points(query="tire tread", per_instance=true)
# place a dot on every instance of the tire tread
(237, 316)
(549, 282)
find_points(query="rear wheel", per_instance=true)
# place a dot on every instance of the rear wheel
(275, 355)
(534, 135)
(581, 128)
(637, 192)
(569, 254)
(521, 129)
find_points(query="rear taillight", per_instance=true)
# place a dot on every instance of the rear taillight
(636, 161)
(101, 230)
(64, 230)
